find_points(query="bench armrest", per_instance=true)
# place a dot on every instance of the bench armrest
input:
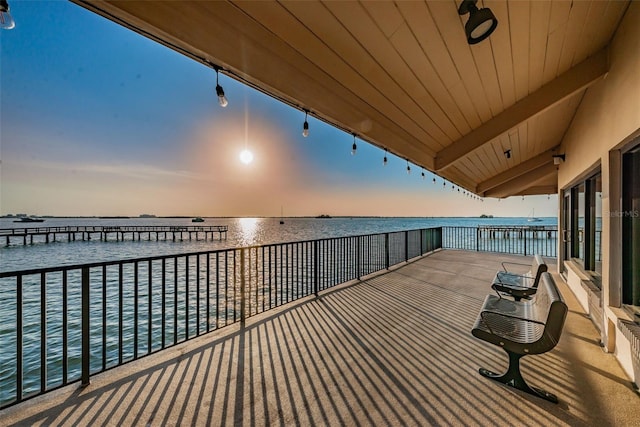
(487, 313)
(512, 263)
(510, 285)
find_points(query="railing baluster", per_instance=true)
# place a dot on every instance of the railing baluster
(19, 337)
(43, 332)
(86, 327)
(120, 313)
(186, 297)
(135, 310)
(164, 302)
(150, 307)
(65, 332)
(242, 289)
(175, 300)
(104, 317)
(208, 292)
(197, 294)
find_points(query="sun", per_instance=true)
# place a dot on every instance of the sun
(246, 156)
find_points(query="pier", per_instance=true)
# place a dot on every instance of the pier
(118, 233)
(517, 231)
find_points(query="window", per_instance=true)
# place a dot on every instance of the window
(583, 225)
(631, 227)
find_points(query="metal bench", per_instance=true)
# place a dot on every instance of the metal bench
(519, 285)
(521, 328)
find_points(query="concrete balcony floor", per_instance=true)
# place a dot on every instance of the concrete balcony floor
(394, 349)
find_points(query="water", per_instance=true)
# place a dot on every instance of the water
(242, 232)
(148, 291)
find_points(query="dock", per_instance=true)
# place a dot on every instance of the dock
(31, 235)
(517, 231)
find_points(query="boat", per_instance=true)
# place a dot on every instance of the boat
(532, 218)
(197, 219)
(29, 219)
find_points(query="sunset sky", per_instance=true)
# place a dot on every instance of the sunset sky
(97, 120)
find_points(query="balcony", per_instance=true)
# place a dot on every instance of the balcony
(393, 348)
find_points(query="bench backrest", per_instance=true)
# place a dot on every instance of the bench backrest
(549, 307)
(538, 266)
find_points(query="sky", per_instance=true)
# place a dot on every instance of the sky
(96, 120)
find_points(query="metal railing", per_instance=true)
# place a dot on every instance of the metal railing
(517, 240)
(63, 324)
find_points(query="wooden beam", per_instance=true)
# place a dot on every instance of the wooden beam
(519, 184)
(516, 171)
(577, 78)
(539, 189)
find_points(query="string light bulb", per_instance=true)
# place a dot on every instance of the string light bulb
(384, 160)
(434, 179)
(408, 168)
(354, 147)
(422, 173)
(222, 99)
(305, 126)
(6, 20)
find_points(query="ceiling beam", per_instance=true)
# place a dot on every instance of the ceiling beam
(539, 189)
(519, 184)
(577, 78)
(520, 169)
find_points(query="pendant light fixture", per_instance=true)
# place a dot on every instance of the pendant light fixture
(481, 23)
(222, 100)
(354, 147)
(6, 20)
(384, 160)
(305, 126)
(422, 174)
(408, 168)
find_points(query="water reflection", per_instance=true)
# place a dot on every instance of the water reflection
(248, 230)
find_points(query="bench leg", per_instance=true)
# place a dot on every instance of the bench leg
(513, 378)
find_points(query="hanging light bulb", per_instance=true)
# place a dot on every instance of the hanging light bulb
(434, 179)
(305, 126)
(6, 20)
(222, 100)
(384, 160)
(408, 168)
(354, 147)
(422, 173)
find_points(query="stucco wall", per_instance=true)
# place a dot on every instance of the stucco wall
(607, 117)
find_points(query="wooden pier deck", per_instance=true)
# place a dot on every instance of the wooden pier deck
(26, 235)
(395, 349)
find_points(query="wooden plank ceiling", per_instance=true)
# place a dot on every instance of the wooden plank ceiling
(400, 74)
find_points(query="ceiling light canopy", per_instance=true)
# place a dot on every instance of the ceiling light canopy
(481, 23)
(6, 20)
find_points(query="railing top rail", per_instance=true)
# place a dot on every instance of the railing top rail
(184, 254)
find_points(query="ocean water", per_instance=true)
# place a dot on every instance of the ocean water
(242, 232)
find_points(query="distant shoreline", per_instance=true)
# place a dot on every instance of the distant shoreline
(269, 217)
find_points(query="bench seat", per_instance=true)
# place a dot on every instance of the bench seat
(521, 328)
